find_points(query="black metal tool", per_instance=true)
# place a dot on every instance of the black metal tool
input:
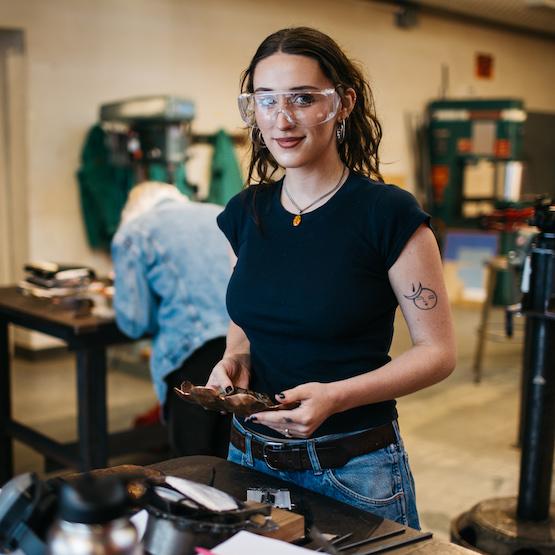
(372, 539)
(321, 541)
(397, 544)
(340, 539)
(337, 540)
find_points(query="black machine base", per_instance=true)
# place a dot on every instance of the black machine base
(491, 527)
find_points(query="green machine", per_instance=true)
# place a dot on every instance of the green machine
(136, 139)
(151, 135)
(475, 158)
(475, 155)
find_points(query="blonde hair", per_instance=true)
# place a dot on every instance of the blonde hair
(146, 195)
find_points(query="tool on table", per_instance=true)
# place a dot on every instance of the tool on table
(372, 539)
(280, 498)
(365, 541)
(397, 544)
(320, 540)
(340, 539)
(336, 540)
(93, 519)
(184, 515)
(291, 522)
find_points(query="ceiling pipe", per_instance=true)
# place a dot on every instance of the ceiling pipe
(445, 13)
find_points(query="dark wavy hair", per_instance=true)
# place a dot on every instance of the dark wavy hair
(363, 133)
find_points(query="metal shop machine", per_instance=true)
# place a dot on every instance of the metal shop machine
(151, 133)
(475, 174)
(475, 158)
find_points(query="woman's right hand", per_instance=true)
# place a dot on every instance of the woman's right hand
(235, 367)
(232, 371)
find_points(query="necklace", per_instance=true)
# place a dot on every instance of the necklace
(298, 217)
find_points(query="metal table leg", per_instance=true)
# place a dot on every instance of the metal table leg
(6, 442)
(91, 408)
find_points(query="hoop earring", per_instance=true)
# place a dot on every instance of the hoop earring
(340, 131)
(256, 137)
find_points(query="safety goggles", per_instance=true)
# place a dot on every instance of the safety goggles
(304, 107)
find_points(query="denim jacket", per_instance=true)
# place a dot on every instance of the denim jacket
(171, 272)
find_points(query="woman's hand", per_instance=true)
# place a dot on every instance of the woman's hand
(317, 404)
(235, 367)
(232, 371)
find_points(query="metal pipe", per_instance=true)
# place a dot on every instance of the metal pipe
(536, 467)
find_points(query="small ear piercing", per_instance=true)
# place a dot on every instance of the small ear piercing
(340, 131)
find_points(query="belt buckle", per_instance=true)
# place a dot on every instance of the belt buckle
(265, 454)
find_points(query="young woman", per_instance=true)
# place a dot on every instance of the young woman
(324, 256)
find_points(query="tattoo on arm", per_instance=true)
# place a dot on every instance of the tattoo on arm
(422, 297)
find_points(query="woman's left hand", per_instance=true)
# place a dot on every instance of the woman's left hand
(317, 404)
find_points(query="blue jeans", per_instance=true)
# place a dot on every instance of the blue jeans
(379, 482)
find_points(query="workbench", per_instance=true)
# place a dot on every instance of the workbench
(88, 336)
(329, 515)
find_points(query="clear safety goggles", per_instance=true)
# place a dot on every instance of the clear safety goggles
(305, 107)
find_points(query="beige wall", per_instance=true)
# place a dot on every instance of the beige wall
(81, 53)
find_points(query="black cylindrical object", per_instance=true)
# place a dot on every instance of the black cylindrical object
(93, 519)
(538, 435)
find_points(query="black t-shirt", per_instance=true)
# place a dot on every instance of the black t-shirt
(315, 300)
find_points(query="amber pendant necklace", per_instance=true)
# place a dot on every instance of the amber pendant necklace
(298, 217)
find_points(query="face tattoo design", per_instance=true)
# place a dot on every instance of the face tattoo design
(422, 297)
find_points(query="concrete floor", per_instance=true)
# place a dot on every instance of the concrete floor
(460, 436)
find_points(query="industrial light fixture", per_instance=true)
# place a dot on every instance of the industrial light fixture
(406, 14)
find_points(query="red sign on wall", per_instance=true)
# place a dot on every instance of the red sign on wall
(484, 66)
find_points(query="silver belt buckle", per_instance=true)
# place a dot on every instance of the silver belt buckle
(265, 455)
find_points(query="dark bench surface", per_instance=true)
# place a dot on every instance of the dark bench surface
(14, 305)
(330, 516)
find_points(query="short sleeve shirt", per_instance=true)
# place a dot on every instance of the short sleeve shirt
(315, 300)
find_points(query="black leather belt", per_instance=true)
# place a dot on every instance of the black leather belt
(331, 454)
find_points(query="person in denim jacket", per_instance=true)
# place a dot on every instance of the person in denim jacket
(171, 271)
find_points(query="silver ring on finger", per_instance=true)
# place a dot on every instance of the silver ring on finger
(286, 432)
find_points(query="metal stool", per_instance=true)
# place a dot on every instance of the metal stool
(493, 266)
